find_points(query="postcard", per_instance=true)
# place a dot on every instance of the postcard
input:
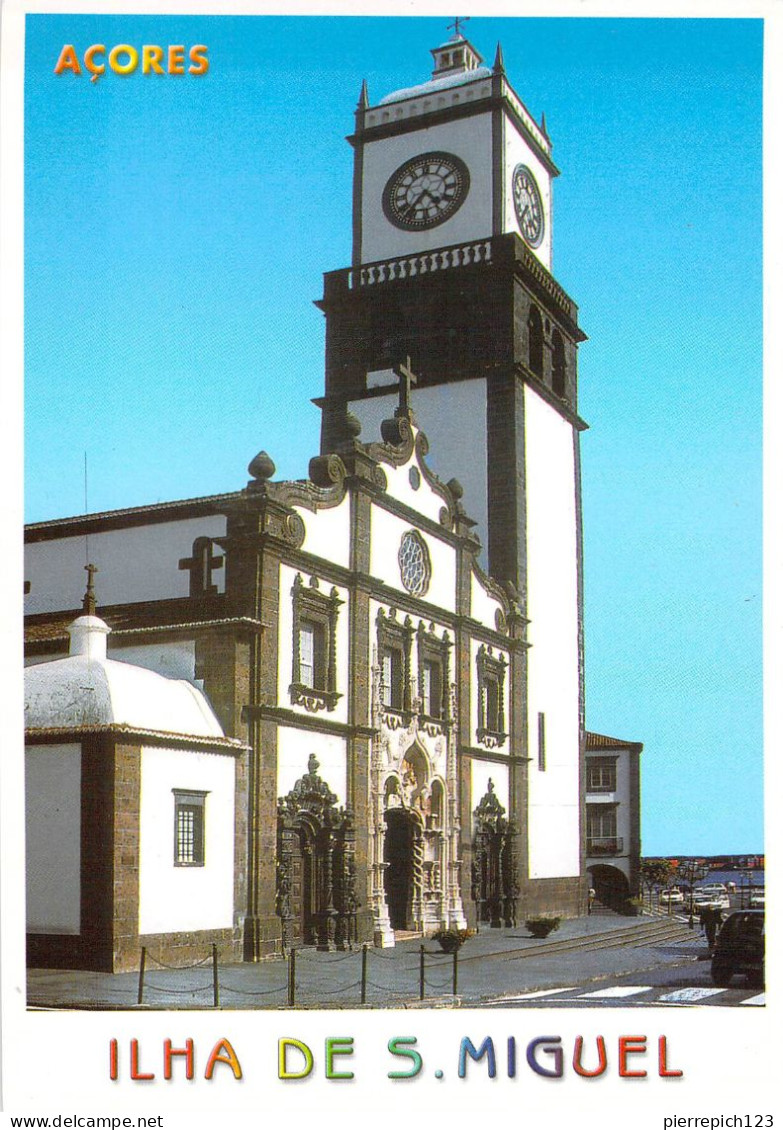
(384, 399)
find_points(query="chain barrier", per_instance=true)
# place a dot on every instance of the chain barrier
(314, 958)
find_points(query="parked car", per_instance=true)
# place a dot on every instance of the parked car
(674, 896)
(757, 899)
(739, 948)
(701, 900)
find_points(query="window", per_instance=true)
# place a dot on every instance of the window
(602, 830)
(392, 665)
(542, 742)
(414, 562)
(189, 828)
(601, 774)
(314, 664)
(491, 670)
(558, 365)
(433, 672)
(535, 339)
(431, 696)
(394, 652)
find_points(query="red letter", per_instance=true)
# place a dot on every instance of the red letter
(176, 60)
(113, 1072)
(627, 1048)
(601, 1058)
(662, 1061)
(169, 1053)
(68, 61)
(230, 1058)
(198, 56)
(135, 1073)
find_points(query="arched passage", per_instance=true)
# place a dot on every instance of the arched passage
(610, 885)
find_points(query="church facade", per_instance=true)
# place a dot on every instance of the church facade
(392, 646)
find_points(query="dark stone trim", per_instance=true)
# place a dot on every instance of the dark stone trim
(475, 753)
(391, 634)
(53, 734)
(562, 407)
(309, 604)
(133, 516)
(498, 162)
(580, 604)
(358, 202)
(635, 821)
(424, 121)
(281, 716)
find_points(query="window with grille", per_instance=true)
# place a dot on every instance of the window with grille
(189, 828)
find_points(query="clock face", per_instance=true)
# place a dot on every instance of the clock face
(528, 206)
(426, 191)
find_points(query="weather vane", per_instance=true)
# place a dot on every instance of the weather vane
(458, 21)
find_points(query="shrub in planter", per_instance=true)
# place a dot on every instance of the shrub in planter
(540, 927)
(451, 939)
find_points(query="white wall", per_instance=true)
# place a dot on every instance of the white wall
(294, 748)
(53, 789)
(185, 898)
(554, 656)
(480, 773)
(386, 531)
(453, 418)
(471, 140)
(134, 564)
(328, 532)
(517, 152)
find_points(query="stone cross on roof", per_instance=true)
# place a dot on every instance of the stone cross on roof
(88, 603)
(407, 379)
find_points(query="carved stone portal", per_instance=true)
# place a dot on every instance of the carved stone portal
(494, 879)
(316, 871)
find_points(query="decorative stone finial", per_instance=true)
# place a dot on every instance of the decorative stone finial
(353, 425)
(456, 488)
(261, 467)
(499, 66)
(364, 97)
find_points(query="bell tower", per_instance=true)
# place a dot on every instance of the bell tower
(452, 268)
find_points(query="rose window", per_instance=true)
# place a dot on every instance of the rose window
(414, 563)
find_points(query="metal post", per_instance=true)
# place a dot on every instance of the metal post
(421, 973)
(215, 983)
(142, 965)
(364, 973)
(454, 973)
(292, 976)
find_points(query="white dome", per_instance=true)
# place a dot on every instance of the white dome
(87, 689)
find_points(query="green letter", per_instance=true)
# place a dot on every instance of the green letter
(396, 1047)
(338, 1045)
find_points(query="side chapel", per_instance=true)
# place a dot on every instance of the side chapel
(387, 655)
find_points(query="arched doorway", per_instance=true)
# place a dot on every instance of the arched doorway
(610, 885)
(316, 896)
(398, 855)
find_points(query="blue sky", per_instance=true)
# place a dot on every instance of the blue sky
(176, 232)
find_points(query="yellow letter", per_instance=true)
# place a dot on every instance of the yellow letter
(150, 59)
(68, 61)
(97, 69)
(198, 56)
(230, 1057)
(124, 68)
(282, 1067)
